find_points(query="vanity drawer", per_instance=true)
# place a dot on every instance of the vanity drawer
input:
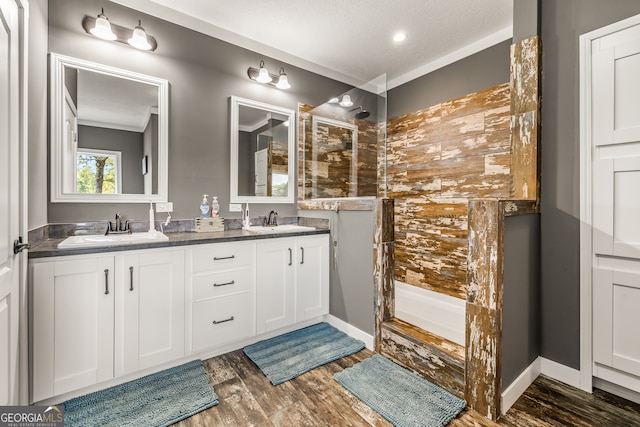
(223, 256)
(223, 283)
(234, 317)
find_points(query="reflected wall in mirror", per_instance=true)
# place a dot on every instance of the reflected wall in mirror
(262, 152)
(109, 133)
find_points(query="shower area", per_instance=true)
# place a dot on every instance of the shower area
(340, 144)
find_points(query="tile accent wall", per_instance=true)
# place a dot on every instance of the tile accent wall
(438, 159)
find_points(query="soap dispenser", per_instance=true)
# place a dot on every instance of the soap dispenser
(215, 207)
(204, 207)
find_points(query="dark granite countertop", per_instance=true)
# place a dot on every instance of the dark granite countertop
(49, 247)
(44, 241)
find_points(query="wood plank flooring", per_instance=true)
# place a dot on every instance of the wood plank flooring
(247, 398)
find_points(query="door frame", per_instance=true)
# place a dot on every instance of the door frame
(586, 200)
(23, 218)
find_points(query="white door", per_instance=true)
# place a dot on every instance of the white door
(276, 292)
(150, 309)
(262, 170)
(73, 304)
(615, 116)
(10, 110)
(312, 281)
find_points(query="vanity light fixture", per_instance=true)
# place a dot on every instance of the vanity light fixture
(334, 100)
(262, 75)
(346, 101)
(139, 38)
(101, 27)
(283, 81)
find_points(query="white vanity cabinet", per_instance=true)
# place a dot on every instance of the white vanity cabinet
(88, 326)
(293, 280)
(150, 324)
(221, 292)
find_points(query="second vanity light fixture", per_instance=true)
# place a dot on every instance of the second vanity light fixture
(262, 75)
(101, 27)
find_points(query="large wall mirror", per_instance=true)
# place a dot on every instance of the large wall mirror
(109, 133)
(262, 152)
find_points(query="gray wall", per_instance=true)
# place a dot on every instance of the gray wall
(203, 73)
(482, 70)
(130, 146)
(562, 23)
(352, 276)
(521, 299)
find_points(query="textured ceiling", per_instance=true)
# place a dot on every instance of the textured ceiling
(350, 40)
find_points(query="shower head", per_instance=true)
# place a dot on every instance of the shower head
(362, 114)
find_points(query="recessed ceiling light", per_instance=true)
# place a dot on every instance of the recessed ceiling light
(398, 37)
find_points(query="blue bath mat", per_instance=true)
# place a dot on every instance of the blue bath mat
(159, 399)
(287, 356)
(402, 397)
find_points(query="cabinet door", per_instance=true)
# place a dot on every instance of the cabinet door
(73, 302)
(312, 279)
(275, 288)
(149, 309)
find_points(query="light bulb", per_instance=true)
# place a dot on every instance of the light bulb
(139, 38)
(346, 101)
(263, 74)
(102, 28)
(283, 81)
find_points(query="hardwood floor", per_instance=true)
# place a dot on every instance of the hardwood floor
(247, 398)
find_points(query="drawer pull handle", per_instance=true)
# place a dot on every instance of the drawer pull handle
(106, 281)
(130, 278)
(217, 322)
(215, 258)
(302, 255)
(216, 285)
(290, 256)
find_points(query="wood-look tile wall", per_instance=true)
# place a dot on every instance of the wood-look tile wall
(455, 171)
(325, 160)
(438, 159)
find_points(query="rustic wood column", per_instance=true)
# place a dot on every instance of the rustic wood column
(383, 265)
(485, 280)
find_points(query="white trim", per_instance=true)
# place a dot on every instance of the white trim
(350, 330)
(435, 312)
(23, 314)
(234, 197)
(468, 50)
(586, 256)
(560, 372)
(513, 392)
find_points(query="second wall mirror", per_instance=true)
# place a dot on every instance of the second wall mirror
(262, 152)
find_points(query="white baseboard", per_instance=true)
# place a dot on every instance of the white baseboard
(560, 372)
(350, 330)
(547, 367)
(519, 385)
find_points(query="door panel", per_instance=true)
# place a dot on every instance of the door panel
(10, 112)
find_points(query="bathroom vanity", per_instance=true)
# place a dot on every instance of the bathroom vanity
(120, 312)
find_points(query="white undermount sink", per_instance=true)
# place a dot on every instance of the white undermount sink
(111, 239)
(285, 228)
